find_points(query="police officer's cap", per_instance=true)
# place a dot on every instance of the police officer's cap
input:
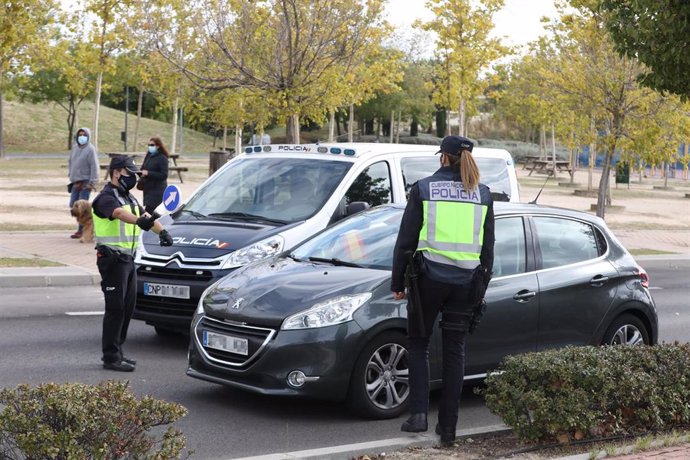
(454, 145)
(123, 161)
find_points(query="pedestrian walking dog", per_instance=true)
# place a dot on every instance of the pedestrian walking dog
(81, 210)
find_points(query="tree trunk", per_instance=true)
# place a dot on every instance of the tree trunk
(461, 115)
(71, 121)
(331, 125)
(592, 157)
(140, 108)
(238, 138)
(414, 127)
(542, 142)
(2, 123)
(667, 169)
(397, 128)
(225, 138)
(293, 129)
(602, 195)
(448, 123)
(96, 110)
(392, 125)
(553, 148)
(173, 143)
(351, 124)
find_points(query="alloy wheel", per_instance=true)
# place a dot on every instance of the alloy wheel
(386, 377)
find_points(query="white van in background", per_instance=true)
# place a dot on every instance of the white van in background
(269, 199)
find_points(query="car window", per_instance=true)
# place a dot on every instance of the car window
(365, 239)
(288, 189)
(509, 248)
(565, 241)
(373, 185)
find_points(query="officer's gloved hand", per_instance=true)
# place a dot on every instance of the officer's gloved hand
(165, 238)
(146, 223)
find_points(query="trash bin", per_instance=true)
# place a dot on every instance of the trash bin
(217, 158)
(622, 173)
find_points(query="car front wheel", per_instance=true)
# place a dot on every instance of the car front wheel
(626, 330)
(380, 387)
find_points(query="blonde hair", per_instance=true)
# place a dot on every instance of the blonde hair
(467, 167)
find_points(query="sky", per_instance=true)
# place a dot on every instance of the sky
(518, 21)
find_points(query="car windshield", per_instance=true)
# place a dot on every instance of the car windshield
(494, 171)
(366, 239)
(272, 190)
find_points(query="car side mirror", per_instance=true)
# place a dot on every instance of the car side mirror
(356, 206)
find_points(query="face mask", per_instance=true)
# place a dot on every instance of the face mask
(153, 149)
(127, 182)
(82, 140)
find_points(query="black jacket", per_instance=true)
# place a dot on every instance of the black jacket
(411, 224)
(156, 181)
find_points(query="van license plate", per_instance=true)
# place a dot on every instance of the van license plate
(226, 343)
(166, 290)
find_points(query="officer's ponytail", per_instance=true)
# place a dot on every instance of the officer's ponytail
(468, 169)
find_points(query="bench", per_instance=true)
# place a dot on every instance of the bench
(548, 166)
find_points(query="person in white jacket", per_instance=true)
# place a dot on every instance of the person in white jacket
(83, 171)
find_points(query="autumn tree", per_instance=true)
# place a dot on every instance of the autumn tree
(657, 33)
(464, 49)
(22, 25)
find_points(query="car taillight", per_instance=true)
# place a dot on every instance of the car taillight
(644, 277)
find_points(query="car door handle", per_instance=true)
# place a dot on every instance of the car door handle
(524, 295)
(598, 280)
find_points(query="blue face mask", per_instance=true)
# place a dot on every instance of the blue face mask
(82, 140)
(153, 149)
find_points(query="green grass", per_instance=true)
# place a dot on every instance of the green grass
(42, 128)
(6, 262)
(15, 227)
(648, 252)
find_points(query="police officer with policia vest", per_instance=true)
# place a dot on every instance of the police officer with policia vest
(448, 227)
(117, 218)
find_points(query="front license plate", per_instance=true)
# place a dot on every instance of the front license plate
(166, 290)
(226, 343)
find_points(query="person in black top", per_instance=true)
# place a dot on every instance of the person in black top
(154, 174)
(117, 218)
(448, 225)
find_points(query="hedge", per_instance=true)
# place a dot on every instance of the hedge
(80, 421)
(592, 392)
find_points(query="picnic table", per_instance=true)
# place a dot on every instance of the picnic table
(548, 166)
(172, 158)
(529, 161)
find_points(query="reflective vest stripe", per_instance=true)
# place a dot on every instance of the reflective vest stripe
(452, 232)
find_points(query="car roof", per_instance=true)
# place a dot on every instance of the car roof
(502, 209)
(356, 151)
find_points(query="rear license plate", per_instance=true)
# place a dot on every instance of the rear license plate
(226, 343)
(166, 290)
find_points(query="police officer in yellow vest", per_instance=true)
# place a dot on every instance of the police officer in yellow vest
(117, 220)
(449, 225)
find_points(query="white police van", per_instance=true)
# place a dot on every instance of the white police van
(272, 197)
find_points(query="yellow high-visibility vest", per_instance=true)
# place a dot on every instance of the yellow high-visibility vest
(116, 234)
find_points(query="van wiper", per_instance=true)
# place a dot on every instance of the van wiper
(335, 261)
(198, 215)
(247, 217)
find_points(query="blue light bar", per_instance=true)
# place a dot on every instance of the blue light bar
(336, 150)
(349, 152)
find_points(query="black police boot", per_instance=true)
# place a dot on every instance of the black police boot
(447, 434)
(416, 423)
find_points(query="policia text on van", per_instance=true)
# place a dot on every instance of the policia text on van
(269, 199)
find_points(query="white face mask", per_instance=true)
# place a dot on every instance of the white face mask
(82, 140)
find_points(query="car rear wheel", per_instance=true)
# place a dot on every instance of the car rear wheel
(380, 387)
(626, 330)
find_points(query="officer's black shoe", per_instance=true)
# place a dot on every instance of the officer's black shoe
(131, 361)
(447, 435)
(416, 423)
(121, 366)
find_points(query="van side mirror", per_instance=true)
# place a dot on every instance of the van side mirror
(355, 207)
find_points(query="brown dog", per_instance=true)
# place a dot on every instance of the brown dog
(81, 210)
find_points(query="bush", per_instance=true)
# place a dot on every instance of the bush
(592, 392)
(79, 421)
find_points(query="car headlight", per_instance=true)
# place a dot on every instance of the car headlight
(257, 251)
(333, 311)
(200, 304)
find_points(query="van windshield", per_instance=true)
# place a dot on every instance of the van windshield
(493, 171)
(279, 190)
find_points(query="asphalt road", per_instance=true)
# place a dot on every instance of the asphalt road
(42, 340)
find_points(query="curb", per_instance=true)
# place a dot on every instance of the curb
(25, 277)
(348, 451)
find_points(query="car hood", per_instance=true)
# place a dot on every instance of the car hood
(266, 292)
(209, 239)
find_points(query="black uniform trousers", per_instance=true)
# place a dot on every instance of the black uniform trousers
(452, 300)
(119, 286)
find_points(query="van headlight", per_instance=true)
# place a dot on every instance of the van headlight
(257, 251)
(333, 311)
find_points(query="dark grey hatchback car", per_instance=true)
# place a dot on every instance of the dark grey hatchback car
(320, 321)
